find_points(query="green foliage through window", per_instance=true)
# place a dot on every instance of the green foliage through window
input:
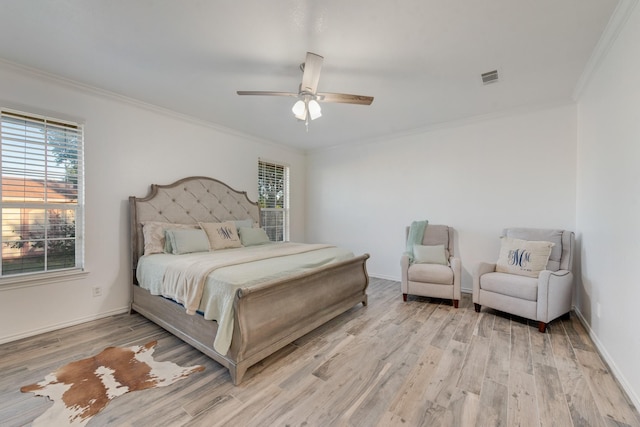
(273, 195)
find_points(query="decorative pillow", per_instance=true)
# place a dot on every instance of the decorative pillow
(523, 257)
(243, 223)
(187, 241)
(429, 254)
(546, 235)
(250, 236)
(153, 233)
(222, 235)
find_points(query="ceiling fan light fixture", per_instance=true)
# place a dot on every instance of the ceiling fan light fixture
(314, 109)
(299, 110)
(307, 106)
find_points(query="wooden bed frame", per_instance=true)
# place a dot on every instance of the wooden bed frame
(268, 316)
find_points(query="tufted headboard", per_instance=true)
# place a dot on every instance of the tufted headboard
(187, 201)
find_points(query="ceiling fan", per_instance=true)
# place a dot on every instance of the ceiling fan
(307, 106)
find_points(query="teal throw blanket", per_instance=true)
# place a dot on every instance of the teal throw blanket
(416, 233)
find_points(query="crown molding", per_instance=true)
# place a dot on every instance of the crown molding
(515, 111)
(95, 91)
(616, 23)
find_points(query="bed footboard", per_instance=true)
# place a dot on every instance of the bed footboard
(267, 317)
(274, 314)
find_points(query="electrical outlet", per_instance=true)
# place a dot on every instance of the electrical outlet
(97, 291)
(598, 310)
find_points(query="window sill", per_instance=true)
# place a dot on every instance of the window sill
(38, 279)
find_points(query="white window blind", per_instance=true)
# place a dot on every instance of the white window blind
(273, 197)
(41, 194)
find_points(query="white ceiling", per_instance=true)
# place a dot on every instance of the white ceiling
(420, 59)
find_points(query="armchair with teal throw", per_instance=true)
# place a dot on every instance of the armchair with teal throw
(434, 271)
(532, 278)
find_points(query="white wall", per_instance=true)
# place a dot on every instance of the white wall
(608, 205)
(478, 177)
(128, 147)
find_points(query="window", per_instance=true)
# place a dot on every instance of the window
(41, 194)
(273, 197)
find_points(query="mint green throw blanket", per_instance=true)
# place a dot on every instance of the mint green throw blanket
(208, 281)
(416, 233)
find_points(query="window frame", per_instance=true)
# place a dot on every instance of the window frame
(47, 172)
(282, 228)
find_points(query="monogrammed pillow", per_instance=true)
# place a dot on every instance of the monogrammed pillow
(523, 257)
(222, 235)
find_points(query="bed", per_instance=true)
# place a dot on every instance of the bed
(266, 315)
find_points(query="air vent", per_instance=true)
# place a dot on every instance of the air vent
(489, 77)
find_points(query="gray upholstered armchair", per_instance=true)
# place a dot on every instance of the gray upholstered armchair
(542, 297)
(438, 277)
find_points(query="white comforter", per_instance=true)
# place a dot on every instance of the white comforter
(207, 281)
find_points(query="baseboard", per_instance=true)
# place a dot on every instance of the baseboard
(617, 374)
(382, 276)
(57, 326)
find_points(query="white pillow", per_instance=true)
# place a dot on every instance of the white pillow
(222, 235)
(187, 241)
(429, 254)
(523, 257)
(154, 238)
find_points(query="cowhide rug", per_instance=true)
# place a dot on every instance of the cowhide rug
(83, 388)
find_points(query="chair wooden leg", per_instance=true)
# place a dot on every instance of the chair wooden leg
(455, 303)
(542, 327)
(477, 307)
(404, 297)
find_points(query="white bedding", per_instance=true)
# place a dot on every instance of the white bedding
(224, 271)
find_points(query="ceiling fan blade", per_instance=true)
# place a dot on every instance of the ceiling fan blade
(311, 73)
(267, 93)
(345, 98)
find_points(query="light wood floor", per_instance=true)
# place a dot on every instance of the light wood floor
(392, 363)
